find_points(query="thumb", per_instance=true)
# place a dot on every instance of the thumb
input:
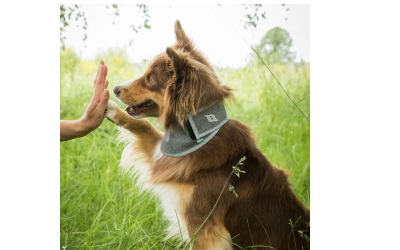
(101, 107)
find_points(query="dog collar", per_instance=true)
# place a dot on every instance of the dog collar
(199, 130)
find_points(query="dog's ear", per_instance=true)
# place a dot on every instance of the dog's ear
(177, 59)
(182, 41)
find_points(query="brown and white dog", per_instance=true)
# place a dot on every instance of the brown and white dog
(263, 211)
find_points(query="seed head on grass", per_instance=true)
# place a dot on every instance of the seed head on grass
(232, 189)
(237, 171)
(305, 234)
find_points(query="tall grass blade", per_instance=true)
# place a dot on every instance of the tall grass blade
(280, 85)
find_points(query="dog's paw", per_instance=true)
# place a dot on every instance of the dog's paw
(111, 110)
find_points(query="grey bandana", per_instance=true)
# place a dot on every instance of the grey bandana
(200, 129)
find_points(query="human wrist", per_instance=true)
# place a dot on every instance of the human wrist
(70, 129)
(82, 127)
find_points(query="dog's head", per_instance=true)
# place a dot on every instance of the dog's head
(176, 83)
(145, 95)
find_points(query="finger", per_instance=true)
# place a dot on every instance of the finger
(101, 107)
(98, 69)
(102, 75)
(105, 76)
(100, 82)
(105, 97)
(96, 108)
(94, 101)
(106, 85)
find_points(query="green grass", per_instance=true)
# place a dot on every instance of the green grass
(100, 206)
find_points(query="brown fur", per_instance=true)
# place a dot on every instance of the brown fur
(180, 82)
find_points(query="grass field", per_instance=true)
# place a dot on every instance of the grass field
(100, 206)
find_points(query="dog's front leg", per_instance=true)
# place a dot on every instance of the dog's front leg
(148, 136)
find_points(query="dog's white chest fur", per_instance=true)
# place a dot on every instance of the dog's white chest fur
(171, 196)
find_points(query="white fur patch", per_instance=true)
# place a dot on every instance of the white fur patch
(134, 163)
(112, 108)
(170, 200)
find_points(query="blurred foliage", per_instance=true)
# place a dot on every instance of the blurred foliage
(68, 13)
(276, 47)
(114, 56)
(119, 69)
(75, 12)
(254, 13)
(69, 61)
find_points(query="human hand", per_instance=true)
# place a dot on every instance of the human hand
(95, 112)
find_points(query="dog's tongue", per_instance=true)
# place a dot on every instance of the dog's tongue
(132, 110)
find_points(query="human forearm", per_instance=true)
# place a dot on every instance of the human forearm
(70, 129)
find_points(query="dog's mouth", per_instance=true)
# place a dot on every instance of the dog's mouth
(144, 108)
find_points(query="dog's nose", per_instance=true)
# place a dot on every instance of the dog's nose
(117, 90)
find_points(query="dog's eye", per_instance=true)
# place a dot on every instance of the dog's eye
(151, 79)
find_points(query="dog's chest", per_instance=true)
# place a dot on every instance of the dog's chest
(174, 197)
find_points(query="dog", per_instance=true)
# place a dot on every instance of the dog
(216, 187)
